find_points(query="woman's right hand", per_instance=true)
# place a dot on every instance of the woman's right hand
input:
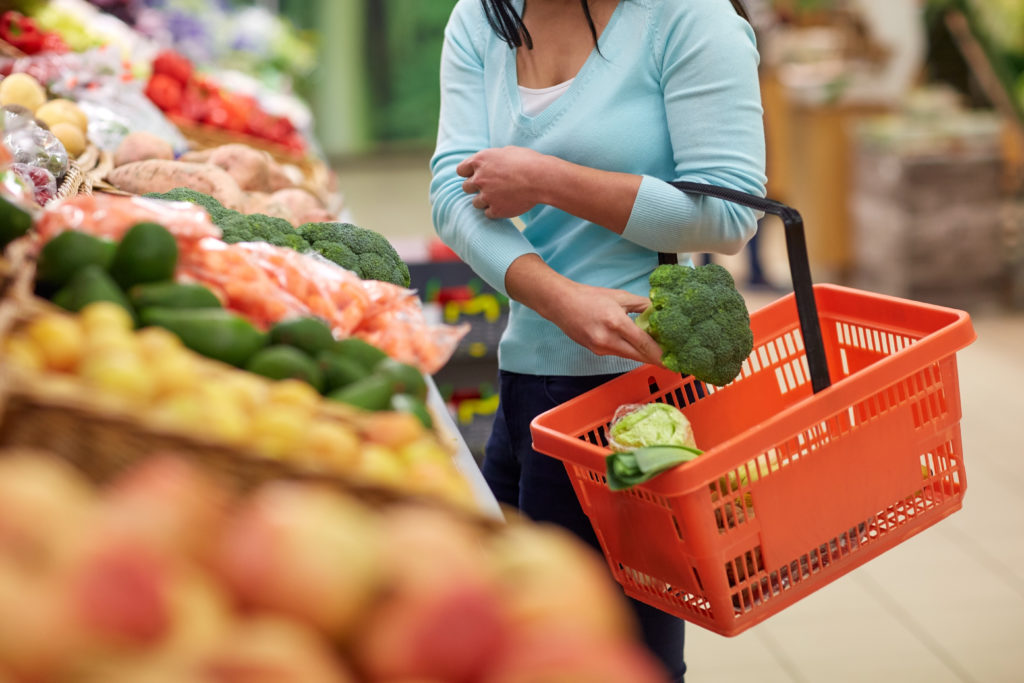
(593, 317)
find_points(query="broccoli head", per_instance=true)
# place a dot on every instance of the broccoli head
(185, 194)
(376, 257)
(339, 254)
(700, 321)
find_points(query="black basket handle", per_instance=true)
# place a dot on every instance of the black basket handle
(799, 269)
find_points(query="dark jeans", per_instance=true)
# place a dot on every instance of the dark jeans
(539, 486)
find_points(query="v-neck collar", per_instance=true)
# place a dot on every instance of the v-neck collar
(556, 108)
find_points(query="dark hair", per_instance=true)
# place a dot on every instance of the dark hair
(508, 24)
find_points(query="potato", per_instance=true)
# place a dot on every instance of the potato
(20, 88)
(62, 111)
(159, 175)
(71, 136)
(248, 166)
(140, 146)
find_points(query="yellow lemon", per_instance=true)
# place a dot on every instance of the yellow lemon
(101, 315)
(278, 430)
(294, 392)
(21, 352)
(20, 88)
(330, 446)
(60, 340)
(123, 375)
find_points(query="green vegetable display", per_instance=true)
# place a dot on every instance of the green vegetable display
(700, 321)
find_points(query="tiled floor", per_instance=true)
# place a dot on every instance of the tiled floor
(946, 606)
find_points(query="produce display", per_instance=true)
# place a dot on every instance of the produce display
(218, 458)
(166, 575)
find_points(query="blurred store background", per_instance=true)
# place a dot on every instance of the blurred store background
(896, 128)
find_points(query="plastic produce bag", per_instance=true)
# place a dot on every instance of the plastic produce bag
(649, 424)
(110, 216)
(268, 284)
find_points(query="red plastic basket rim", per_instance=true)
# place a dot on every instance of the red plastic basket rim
(933, 346)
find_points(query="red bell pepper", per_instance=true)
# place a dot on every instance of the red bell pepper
(173, 64)
(165, 92)
(21, 32)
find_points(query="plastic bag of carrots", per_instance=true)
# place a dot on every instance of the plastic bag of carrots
(110, 216)
(267, 284)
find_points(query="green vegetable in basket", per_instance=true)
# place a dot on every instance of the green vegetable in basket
(652, 424)
(625, 470)
(700, 321)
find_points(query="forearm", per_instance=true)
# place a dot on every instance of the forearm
(604, 198)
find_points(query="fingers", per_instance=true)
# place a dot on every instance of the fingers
(480, 203)
(469, 187)
(466, 168)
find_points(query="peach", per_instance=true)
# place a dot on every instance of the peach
(271, 650)
(43, 502)
(305, 551)
(547, 658)
(552, 581)
(169, 503)
(449, 634)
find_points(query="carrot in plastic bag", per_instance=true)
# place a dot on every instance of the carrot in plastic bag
(110, 216)
(246, 287)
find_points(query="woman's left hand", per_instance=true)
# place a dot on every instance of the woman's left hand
(505, 180)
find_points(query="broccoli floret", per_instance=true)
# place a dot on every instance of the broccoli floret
(291, 240)
(700, 321)
(339, 254)
(235, 227)
(377, 258)
(185, 194)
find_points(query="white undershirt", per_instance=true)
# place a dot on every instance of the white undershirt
(536, 100)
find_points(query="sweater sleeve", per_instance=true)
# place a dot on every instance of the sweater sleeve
(708, 59)
(489, 246)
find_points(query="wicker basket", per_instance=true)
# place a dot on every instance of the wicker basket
(102, 438)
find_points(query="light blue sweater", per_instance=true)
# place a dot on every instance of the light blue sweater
(673, 95)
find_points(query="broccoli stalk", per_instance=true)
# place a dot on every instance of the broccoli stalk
(700, 321)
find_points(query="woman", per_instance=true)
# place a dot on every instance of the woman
(572, 115)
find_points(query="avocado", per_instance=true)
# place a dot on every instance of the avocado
(311, 335)
(362, 352)
(14, 222)
(339, 370)
(91, 283)
(212, 332)
(406, 403)
(404, 378)
(172, 295)
(148, 252)
(372, 392)
(286, 362)
(69, 252)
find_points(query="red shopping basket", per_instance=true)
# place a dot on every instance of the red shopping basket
(801, 480)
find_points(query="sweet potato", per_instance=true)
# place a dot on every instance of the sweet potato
(278, 178)
(262, 202)
(141, 145)
(249, 167)
(198, 156)
(157, 175)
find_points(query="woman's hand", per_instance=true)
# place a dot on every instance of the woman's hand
(593, 317)
(504, 180)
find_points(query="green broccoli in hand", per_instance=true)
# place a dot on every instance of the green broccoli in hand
(700, 321)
